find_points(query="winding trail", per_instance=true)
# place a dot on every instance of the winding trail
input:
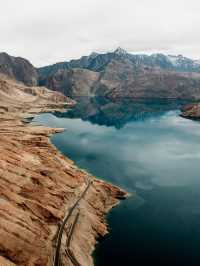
(65, 220)
(68, 251)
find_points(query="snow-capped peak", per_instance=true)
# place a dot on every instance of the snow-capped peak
(120, 51)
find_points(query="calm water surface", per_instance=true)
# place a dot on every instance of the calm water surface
(156, 157)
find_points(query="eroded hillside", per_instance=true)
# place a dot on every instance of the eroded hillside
(38, 186)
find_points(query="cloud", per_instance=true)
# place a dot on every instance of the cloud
(49, 31)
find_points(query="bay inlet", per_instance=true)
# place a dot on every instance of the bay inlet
(153, 153)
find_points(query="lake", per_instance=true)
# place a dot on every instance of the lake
(149, 150)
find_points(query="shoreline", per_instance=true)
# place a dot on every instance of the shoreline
(191, 111)
(37, 187)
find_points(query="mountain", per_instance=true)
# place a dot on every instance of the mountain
(98, 62)
(18, 68)
(121, 74)
(74, 82)
(113, 75)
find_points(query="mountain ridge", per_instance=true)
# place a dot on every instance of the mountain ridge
(120, 74)
(173, 62)
(114, 74)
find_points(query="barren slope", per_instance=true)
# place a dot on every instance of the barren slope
(38, 185)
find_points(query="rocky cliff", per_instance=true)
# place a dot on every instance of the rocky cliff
(74, 82)
(19, 69)
(38, 186)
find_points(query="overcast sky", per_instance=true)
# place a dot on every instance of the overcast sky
(47, 31)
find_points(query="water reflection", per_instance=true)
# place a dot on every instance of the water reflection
(153, 153)
(101, 111)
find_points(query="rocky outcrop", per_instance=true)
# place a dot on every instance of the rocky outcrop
(191, 111)
(38, 185)
(69, 82)
(18, 68)
(16, 96)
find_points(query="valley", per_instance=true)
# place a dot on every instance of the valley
(112, 99)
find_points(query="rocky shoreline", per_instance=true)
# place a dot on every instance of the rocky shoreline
(38, 185)
(191, 111)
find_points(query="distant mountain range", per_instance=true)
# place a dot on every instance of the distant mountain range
(114, 75)
(98, 62)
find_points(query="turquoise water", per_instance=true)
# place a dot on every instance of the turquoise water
(153, 154)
